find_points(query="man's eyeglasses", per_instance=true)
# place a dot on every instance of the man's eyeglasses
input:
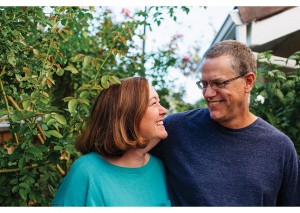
(216, 84)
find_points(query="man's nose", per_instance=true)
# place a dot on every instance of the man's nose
(209, 91)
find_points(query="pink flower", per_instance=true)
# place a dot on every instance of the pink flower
(126, 12)
(178, 36)
(186, 59)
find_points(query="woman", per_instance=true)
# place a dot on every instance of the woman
(115, 169)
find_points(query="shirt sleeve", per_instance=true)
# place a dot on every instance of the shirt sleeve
(73, 189)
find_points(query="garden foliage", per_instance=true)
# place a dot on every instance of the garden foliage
(275, 97)
(53, 63)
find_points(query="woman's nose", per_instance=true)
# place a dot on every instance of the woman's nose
(163, 110)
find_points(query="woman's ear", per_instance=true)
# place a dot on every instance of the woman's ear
(249, 81)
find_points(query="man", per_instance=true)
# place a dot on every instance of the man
(224, 155)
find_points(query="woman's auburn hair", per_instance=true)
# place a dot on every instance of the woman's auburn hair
(113, 126)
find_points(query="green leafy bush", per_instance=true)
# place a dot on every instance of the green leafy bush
(53, 63)
(275, 97)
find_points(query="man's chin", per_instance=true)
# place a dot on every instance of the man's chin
(214, 115)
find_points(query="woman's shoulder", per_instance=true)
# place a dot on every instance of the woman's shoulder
(90, 162)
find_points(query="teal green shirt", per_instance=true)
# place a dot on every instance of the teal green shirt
(92, 181)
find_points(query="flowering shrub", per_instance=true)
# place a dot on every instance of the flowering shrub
(276, 98)
(53, 63)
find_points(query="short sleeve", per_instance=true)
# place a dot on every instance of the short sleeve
(73, 189)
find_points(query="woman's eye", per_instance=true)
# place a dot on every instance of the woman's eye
(154, 103)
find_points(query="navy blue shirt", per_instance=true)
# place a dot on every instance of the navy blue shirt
(208, 164)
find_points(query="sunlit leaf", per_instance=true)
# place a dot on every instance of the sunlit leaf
(60, 72)
(72, 105)
(3, 112)
(11, 59)
(114, 80)
(71, 68)
(60, 119)
(86, 61)
(51, 121)
(55, 133)
(83, 101)
(104, 82)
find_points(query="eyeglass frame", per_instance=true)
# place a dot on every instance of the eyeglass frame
(214, 86)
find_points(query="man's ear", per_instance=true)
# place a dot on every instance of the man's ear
(249, 81)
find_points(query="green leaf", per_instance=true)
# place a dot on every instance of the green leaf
(114, 80)
(60, 72)
(83, 101)
(47, 134)
(72, 69)
(14, 181)
(42, 148)
(27, 114)
(80, 15)
(58, 148)
(86, 61)
(270, 73)
(85, 86)
(35, 132)
(77, 58)
(23, 194)
(279, 94)
(18, 77)
(60, 119)
(47, 117)
(36, 52)
(22, 162)
(25, 104)
(46, 95)
(37, 151)
(55, 133)
(32, 195)
(17, 116)
(3, 112)
(24, 185)
(97, 87)
(26, 78)
(72, 105)
(15, 189)
(11, 59)
(68, 98)
(104, 82)
(44, 127)
(70, 148)
(34, 94)
(45, 100)
(51, 121)
(84, 94)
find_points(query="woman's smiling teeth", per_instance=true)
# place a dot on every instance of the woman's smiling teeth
(159, 123)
